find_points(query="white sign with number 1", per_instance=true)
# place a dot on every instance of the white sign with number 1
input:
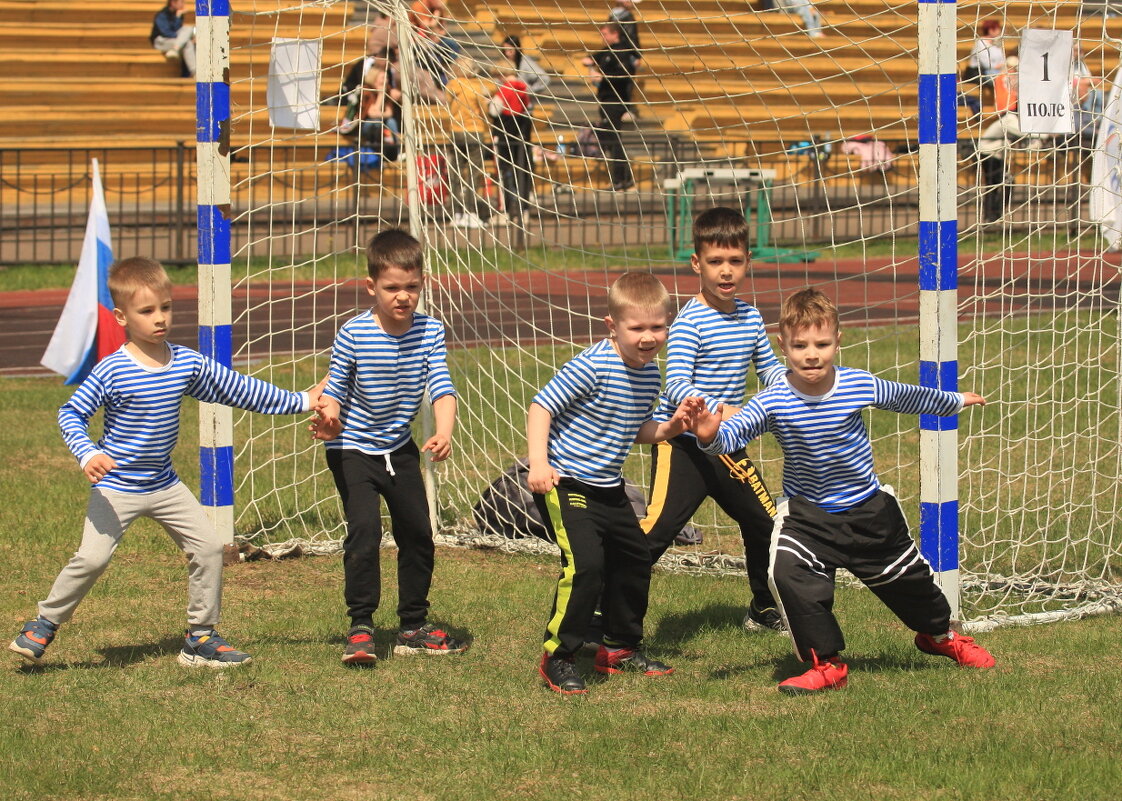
(1044, 78)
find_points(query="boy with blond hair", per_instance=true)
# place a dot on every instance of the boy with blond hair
(838, 515)
(715, 341)
(580, 428)
(384, 362)
(141, 387)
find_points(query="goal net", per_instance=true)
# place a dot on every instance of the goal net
(535, 169)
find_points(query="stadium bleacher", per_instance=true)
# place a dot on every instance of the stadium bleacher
(720, 76)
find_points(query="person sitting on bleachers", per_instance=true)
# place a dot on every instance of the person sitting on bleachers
(174, 39)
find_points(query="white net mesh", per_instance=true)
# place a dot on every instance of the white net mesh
(812, 132)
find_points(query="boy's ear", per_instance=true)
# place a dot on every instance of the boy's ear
(369, 286)
(119, 316)
(695, 263)
(611, 326)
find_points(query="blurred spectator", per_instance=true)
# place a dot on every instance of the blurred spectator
(174, 39)
(812, 20)
(524, 68)
(1006, 86)
(995, 145)
(623, 13)
(512, 125)
(470, 151)
(612, 68)
(378, 129)
(381, 42)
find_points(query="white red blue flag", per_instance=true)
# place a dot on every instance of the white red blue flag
(87, 331)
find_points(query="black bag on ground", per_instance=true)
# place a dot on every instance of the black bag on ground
(507, 509)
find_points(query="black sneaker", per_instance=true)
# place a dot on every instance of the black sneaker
(621, 660)
(560, 674)
(766, 619)
(427, 640)
(360, 646)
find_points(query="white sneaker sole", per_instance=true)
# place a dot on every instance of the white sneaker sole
(25, 653)
(408, 650)
(193, 661)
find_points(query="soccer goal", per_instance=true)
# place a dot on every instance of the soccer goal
(840, 128)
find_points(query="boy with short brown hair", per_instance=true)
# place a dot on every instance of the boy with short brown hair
(383, 364)
(838, 515)
(715, 341)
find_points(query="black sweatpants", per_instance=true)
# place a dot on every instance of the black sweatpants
(872, 542)
(362, 481)
(602, 549)
(683, 475)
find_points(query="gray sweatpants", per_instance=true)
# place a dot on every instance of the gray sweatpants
(108, 515)
(183, 44)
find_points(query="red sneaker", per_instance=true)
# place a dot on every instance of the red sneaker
(828, 674)
(621, 660)
(960, 648)
(360, 647)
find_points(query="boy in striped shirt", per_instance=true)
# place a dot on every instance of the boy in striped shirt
(141, 387)
(383, 364)
(580, 428)
(715, 341)
(838, 515)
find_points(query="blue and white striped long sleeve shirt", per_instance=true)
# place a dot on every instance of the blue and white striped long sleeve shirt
(827, 455)
(598, 404)
(380, 380)
(142, 411)
(709, 354)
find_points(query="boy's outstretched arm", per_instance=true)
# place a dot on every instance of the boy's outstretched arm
(651, 432)
(444, 415)
(972, 399)
(542, 477)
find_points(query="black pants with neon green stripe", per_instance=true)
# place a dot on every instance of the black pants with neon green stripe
(602, 550)
(683, 475)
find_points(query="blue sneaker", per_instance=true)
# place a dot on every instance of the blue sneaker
(32, 642)
(210, 650)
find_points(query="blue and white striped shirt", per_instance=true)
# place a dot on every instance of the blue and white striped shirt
(709, 353)
(598, 404)
(380, 380)
(142, 411)
(827, 455)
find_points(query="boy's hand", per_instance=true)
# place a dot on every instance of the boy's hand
(323, 428)
(98, 467)
(440, 445)
(684, 416)
(972, 399)
(325, 423)
(706, 424)
(542, 479)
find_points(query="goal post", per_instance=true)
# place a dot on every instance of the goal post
(954, 261)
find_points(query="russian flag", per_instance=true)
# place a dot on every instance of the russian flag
(87, 331)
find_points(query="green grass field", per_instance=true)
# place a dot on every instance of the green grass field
(113, 716)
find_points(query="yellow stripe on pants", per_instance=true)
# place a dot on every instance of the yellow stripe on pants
(660, 485)
(568, 570)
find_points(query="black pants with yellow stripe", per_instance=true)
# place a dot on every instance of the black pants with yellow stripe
(603, 550)
(683, 475)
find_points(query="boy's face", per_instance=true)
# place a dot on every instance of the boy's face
(810, 356)
(396, 293)
(638, 334)
(146, 316)
(722, 271)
